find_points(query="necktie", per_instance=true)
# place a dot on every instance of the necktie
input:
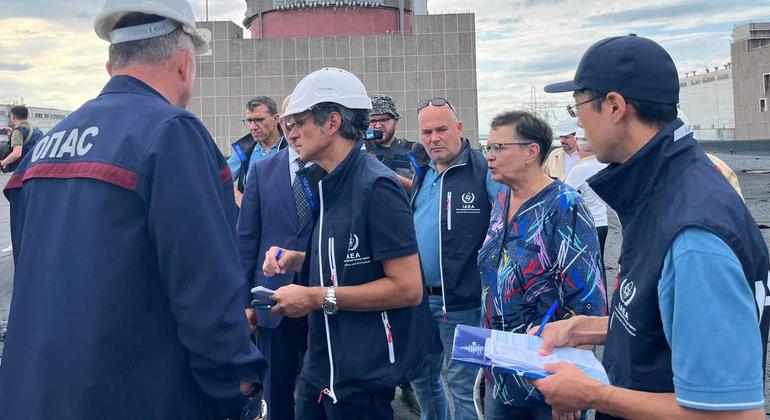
(299, 196)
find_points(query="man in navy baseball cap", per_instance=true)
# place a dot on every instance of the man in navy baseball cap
(685, 337)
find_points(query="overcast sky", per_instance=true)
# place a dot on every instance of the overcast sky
(50, 56)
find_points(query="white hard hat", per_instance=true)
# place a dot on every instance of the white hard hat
(328, 85)
(580, 133)
(177, 12)
(567, 127)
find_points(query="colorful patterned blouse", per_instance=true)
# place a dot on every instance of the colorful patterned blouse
(548, 251)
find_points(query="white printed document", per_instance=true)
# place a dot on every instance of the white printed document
(518, 353)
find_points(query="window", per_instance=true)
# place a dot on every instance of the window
(766, 83)
(762, 105)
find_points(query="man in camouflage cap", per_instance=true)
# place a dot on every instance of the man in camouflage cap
(389, 150)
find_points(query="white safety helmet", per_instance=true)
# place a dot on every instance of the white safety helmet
(328, 85)
(580, 134)
(566, 127)
(176, 12)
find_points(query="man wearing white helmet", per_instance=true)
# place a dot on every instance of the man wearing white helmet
(114, 313)
(577, 178)
(560, 161)
(363, 292)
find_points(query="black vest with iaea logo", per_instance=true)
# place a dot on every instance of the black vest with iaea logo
(463, 219)
(665, 187)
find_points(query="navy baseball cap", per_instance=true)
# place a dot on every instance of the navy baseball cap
(636, 67)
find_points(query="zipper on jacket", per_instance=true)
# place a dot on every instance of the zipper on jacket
(440, 246)
(449, 210)
(328, 391)
(389, 337)
(332, 261)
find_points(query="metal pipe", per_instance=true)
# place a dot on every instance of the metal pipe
(401, 16)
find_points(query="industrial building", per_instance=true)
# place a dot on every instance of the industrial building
(396, 52)
(43, 118)
(706, 102)
(750, 51)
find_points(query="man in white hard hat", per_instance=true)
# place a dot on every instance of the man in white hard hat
(363, 292)
(128, 300)
(560, 161)
(578, 177)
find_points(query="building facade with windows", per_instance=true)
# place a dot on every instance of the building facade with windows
(706, 102)
(750, 51)
(434, 56)
(43, 118)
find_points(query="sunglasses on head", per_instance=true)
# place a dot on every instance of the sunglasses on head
(435, 102)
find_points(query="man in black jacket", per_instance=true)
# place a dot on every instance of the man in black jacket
(363, 295)
(687, 331)
(451, 199)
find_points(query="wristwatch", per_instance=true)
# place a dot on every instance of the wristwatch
(330, 302)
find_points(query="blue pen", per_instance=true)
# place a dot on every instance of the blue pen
(262, 304)
(547, 317)
(277, 257)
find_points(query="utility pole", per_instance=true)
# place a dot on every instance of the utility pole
(207, 10)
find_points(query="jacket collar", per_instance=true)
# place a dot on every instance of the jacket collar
(246, 142)
(130, 84)
(656, 165)
(335, 179)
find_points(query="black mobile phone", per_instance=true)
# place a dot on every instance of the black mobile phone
(262, 304)
(255, 409)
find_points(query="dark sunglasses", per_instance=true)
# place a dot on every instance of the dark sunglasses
(435, 102)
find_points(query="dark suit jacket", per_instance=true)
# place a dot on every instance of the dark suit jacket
(268, 217)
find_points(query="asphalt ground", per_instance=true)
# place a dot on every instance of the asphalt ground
(753, 173)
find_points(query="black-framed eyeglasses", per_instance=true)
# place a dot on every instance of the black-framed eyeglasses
(435, 102)
(248, 121)
(496, 148)
(572, 110)
(380, 121)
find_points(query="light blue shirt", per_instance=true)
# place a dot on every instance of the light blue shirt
(234, 162)
(427, 219)
(710, 322)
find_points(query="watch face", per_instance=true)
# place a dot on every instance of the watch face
(329, 307)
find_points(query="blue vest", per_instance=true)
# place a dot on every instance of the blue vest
(665, 187)
(365, 357)
(463, 225)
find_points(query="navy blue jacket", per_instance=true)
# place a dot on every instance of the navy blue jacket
(369, 351)
(464, 185)
(667, 186)
(268, 217)
(127, 299)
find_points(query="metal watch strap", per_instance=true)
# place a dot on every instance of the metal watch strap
(330, 302)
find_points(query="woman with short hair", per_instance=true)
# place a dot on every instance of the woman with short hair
(541, 247)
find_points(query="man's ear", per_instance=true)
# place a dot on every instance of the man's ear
(618, 106)
(334, 122)
(108, 66)
(185, 65)
(459, 127)
(534, 152)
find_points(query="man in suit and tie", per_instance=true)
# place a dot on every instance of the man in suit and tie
(274, 212)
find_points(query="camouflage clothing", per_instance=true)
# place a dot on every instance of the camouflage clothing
(384, 104)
